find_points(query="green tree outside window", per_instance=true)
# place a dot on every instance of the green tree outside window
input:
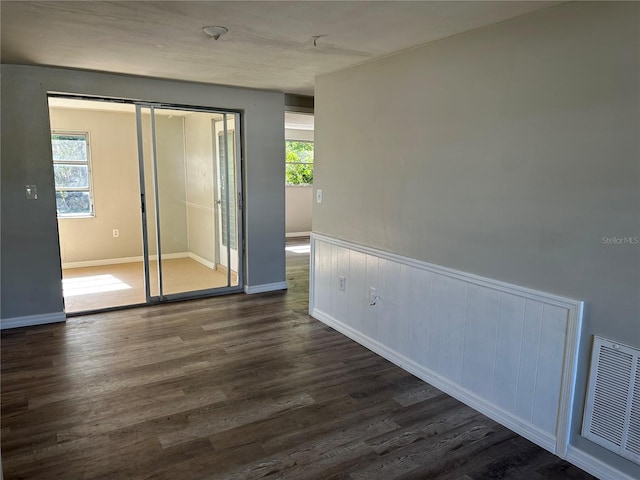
(299, 162)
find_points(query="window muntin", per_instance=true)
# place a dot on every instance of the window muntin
(72, 174)
(299, 162)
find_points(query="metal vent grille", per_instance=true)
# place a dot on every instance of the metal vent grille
(633, 439)
(612, 413)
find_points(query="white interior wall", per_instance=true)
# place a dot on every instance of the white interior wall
(200, 179)
(172, 188)
(114, 169)
(116, 191)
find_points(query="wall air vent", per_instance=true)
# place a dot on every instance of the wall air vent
(612, 412)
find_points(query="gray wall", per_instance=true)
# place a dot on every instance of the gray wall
(508, 152)
(30, 268)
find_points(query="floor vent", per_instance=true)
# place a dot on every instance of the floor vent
(612, 413)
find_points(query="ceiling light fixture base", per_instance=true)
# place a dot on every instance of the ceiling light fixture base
(215, 31)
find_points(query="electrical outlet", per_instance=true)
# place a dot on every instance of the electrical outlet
(116, 233)
(342, 283)
(373, 295)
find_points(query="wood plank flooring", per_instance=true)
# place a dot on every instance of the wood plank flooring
(237, 387)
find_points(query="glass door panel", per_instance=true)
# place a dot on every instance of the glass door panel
(176, 272)
(192, 197)
(148, 176)
(227, 142)
(96, 177)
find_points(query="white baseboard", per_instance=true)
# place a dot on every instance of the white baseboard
(297, 234)
(266, 287)
(116, 261)
(501, 416)
(31, 320)
(99, 263)
(202, 261)
(169, 256)
(594, 466)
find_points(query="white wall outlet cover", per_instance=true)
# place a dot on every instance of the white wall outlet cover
(319, 195)
(31, 192)
(373, 295)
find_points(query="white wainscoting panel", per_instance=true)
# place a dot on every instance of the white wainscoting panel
(510, 352)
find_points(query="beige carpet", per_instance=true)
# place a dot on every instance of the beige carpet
(92, 288)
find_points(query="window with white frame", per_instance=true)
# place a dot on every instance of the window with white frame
(72, 174)
(299, 162)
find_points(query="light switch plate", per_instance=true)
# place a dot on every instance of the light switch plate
(31, 192)
(319, 195)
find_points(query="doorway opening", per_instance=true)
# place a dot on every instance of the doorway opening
(149, 202)
(299, 151)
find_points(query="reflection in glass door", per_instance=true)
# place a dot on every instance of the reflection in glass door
(225, 135)
(190, 196)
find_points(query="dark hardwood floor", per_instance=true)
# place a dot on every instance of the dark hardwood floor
(237, 387)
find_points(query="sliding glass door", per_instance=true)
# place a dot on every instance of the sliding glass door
(191, 201)
(149, 201)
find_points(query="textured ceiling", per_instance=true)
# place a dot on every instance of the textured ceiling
(269, 44)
